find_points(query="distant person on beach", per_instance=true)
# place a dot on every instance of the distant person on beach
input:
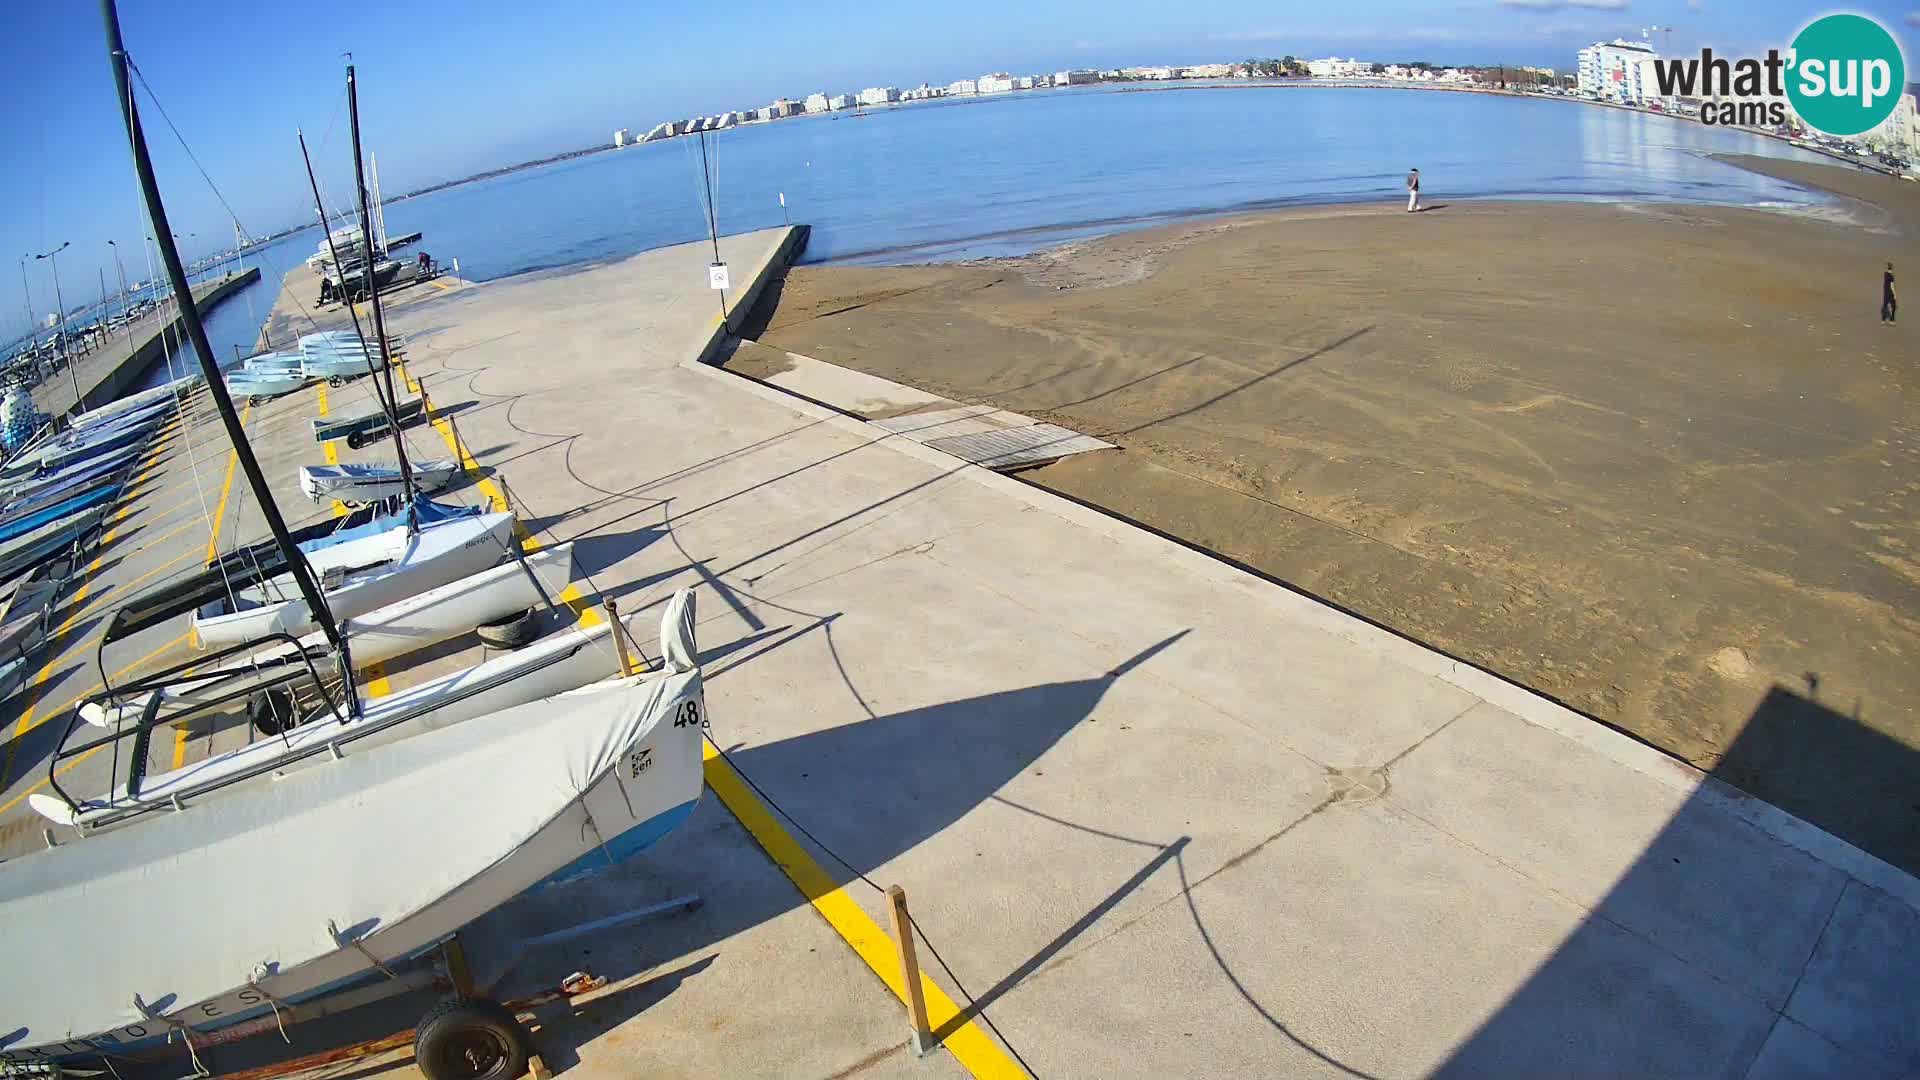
(1889, 304)
(1413, 191)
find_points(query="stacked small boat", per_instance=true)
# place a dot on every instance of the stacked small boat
(54, 494)
(362, 829)
(332, 355)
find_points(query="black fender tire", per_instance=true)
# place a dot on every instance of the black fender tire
(354, 440)
(271, 711)
(470, 1039)
(512, 632)
(256, 400)
(336, 381)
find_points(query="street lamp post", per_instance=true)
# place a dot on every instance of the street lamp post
(33, 328)
(61, 334)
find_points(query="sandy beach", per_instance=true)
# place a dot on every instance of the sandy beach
(1660, 462)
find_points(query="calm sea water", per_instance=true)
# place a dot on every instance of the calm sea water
(1010, 174)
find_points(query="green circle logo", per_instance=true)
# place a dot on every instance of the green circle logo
(1846, 74)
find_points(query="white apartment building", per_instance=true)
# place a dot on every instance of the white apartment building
(842, 101)
(1335, 68)
(1023, 82)
(995, 84)
(961, 87)
(818, 103)
(1210, 71)
(879, 95)
(622, 137)
(1619, 71)
(1076, 78)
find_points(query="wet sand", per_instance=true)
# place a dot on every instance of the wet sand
(1661, 463)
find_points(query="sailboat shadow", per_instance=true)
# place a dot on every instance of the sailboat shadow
(858, 796)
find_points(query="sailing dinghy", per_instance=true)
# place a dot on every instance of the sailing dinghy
(356, 484)
(378, 636)
(556, 664)
(360, 575)
(372, 857)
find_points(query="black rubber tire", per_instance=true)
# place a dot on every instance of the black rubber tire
(256, 400)
(336, 381)
(354, 440)
(271, 711)
(470, 1039)
(512, 632)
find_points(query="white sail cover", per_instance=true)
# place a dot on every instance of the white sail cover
(395, 846)
(372, 481)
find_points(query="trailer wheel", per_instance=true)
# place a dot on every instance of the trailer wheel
(256, 400)
(511, 632)
(271, 711)
(354, 440)
(336, 381)
(470, 1039)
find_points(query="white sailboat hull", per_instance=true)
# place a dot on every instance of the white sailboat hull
(553, 665)
(371, 483)
(377, 570)
(379, 635)
(467, 817)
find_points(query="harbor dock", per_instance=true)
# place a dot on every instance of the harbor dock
(111, 371)
(1158, 816)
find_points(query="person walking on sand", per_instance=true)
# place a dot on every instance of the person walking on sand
(1413, 191)
(1889, 304)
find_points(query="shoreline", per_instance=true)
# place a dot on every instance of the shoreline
(1653, 460)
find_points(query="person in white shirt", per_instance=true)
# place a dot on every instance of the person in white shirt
(1413, 191)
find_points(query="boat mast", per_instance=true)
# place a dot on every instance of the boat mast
(209, 368)
(373, 291)
(333, 252)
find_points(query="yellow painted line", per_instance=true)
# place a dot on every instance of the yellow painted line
(377, 685)
(226, 489)
(332, 453)
(162, 568)
(62, 771)
(975, 1051)
(179, 746)
(496, 499)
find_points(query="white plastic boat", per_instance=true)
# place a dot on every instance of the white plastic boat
(360, 575)
(376, 637)
(392, 848)
(168, 392)
(257, 387)
(372, 482)
(553, 665)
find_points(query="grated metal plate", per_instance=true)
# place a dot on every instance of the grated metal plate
(1012, 448)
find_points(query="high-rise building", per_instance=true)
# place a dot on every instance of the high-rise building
(818, 103)
(962, 86)
(879, 95)
(1619, 71)
(1076, 78)
(622, 137)
(998, 83)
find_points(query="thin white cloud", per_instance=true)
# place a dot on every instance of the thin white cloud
(1562, 5)
(1913, 18)
(1368, 34)
(1696, 5)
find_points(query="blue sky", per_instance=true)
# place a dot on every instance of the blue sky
(452, 88)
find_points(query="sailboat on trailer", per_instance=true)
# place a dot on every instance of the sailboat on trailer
(417, 837)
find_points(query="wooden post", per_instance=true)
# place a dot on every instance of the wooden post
(619, 638)
(922, 1035)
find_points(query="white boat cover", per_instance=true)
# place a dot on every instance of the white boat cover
(373, 481)
(136, 401)
(393, 847)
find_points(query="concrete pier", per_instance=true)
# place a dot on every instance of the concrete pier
(1161, 817)
(109, 371)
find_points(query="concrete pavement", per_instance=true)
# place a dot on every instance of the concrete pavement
(1164, 817)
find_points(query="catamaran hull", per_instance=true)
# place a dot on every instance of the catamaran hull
(439, 555)
(381, 634)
